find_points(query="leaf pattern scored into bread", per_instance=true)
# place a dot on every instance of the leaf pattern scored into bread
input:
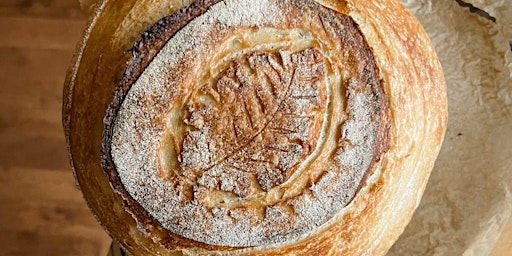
(253, 125)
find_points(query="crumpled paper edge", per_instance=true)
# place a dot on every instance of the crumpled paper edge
(468, 200)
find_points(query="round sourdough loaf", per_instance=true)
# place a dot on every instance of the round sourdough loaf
(257, 127)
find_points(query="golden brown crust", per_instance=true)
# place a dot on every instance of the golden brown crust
(415, 128)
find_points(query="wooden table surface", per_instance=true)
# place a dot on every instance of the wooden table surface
(41, 211)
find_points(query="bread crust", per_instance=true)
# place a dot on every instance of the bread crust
(412, 80)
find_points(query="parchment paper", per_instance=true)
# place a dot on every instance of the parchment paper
(468, 199)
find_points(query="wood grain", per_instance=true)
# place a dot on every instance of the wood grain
(42, 212)
(48, 9)
(46, 214)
